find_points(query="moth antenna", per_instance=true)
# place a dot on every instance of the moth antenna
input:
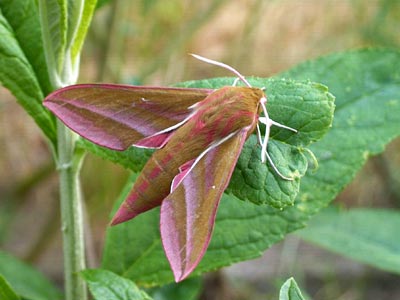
(259, 134)
(268, 123)
(235, 81)
(225, 66)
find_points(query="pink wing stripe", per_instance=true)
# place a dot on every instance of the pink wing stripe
(156, 141)
(183, 170)
(79, 124)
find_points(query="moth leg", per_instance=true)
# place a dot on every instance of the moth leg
(264, 153)
(282, 126)
(276, 169)
(259, 137)
(268, 122)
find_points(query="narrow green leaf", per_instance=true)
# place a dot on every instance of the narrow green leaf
(54, 24)
(365, 235)
(243, 230)
(16, 71)
(6, 292)
(105, 285)
(290, 291)
(74, 13)
(26, 281)
(64, 25)
(81, 28)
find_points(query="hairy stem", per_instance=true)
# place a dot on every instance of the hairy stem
(69, 163)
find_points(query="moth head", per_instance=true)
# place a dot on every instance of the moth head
(265, 119)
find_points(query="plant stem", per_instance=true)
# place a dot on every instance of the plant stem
(69, 163)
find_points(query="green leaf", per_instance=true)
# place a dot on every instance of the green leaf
(306, 106)
(365, 121)
(366, 84)
(365, 235)
(23, 17)
(6, 292)
(21, 61)
(105, 285)
(25, 280)
(290, 291)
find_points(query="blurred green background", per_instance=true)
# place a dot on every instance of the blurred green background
(147, 42)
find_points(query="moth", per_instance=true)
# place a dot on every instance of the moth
(198, 134)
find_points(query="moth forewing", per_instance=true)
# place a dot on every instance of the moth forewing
(116, 117)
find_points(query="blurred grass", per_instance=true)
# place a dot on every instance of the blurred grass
(147, 42)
